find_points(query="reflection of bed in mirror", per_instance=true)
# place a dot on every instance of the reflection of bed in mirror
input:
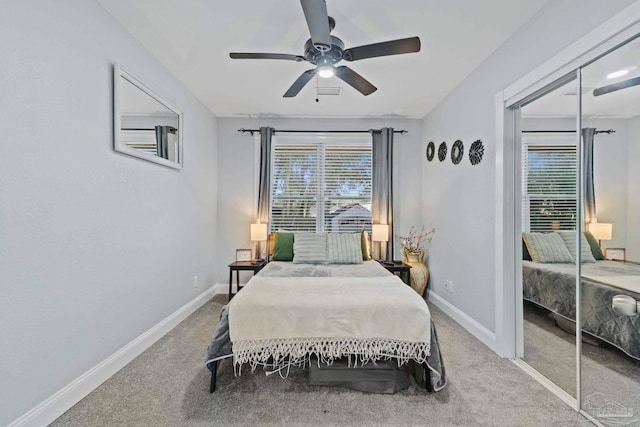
(552, 286)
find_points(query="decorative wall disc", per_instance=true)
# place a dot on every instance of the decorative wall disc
(476, 152)
(457, 152)
(431, 150)
(442, 151)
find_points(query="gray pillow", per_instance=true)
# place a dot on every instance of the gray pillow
(344, 248)
(310, 248)
(547, 248)
(569, 238)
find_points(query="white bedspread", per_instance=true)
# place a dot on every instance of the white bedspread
(288, 318)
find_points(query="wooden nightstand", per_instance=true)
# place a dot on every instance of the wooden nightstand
(401, 268)
(238, 266)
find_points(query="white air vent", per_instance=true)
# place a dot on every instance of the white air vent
(329, 90)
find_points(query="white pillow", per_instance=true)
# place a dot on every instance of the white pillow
(569, 238)
(547, 248)
(344, 248)
(310, 248)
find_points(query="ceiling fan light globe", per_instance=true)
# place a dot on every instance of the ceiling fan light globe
(618, 73)
(326, 71)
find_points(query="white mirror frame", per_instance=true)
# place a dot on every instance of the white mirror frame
(118, 74)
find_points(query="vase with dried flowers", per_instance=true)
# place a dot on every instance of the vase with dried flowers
(413, 251)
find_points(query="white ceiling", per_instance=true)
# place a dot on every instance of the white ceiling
(193, 38)
(563, 102)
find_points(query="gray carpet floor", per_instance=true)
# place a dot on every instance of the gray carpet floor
(167, 385)
(607, 373)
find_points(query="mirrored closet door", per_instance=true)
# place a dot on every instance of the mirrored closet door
(548, 216)
(610, 259)
(578, 144)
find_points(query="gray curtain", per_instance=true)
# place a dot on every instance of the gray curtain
(589, 193)
(265, 174)
(382, 176)
(162, 141)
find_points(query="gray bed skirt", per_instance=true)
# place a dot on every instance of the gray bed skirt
(382, 377)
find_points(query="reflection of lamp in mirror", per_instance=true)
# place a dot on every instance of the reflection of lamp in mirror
(380, 233)
(601, 231)
(258, 234)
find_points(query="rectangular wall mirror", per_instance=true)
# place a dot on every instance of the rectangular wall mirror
(145, 125)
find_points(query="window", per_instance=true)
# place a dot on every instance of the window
(548, 184)
(321, 185)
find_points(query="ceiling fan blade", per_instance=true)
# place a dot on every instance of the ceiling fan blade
(315, 12)
(236, 55)
(393, 47)
(354, 79)
(297, 86)
(616, 86)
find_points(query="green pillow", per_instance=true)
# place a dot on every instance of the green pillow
(366, 254)
(526, 256)
(595, 247)
(282, 246)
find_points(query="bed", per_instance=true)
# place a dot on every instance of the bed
(552, 286)
(289, 313)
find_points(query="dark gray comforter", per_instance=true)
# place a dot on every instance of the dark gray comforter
(552, 286)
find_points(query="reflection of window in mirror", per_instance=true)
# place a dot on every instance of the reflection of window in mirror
(147, 126)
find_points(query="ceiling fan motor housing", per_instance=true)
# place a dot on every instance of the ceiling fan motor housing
(328, 57)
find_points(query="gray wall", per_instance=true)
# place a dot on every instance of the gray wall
(460, 200)
(95, 247)
(237, 176)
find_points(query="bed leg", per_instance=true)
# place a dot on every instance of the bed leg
(427, 378)
(213, 367)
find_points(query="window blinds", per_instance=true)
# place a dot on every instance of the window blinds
(549, 187)
(321, 187)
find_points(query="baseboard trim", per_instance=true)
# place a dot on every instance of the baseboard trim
(487, 337)
(221, 288)
(56, 405)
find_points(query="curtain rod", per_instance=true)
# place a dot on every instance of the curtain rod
(170, 129)
(608, 131)
(251, 131)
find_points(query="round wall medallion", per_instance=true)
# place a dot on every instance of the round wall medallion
(442, 151)
(457, 151)
(476, 152)
(431, 150)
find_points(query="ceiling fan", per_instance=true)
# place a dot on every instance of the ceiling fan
(616, 86)
(325, 50)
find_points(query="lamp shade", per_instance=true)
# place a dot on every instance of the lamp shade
(380, 232)
(601, 230)
(258, 232)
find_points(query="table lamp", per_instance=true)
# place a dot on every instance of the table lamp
(601, 231)
(258, 234)
(380, 233)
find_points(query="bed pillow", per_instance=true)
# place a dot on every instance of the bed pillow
(344, 248)
(547, 248)
(569, 238)
(366, 250)
(310, 248)
(595, 247)
(283, 246)
(526, 256)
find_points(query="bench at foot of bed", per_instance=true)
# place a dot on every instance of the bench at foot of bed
(213, 367)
